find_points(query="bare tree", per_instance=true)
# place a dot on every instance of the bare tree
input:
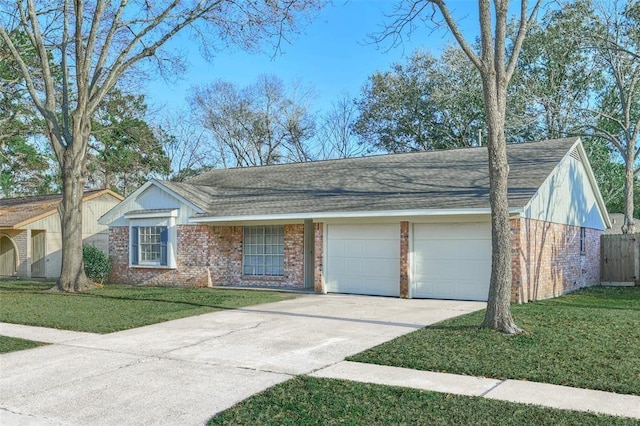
(336, 138)
(616, 42)
(496, 63)
(186, 144)
(261, 124)
(95, 45)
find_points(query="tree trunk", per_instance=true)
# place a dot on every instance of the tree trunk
(629, 226)
(72, 277)
(498, 314)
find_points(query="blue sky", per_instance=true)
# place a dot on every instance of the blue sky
(331, 54)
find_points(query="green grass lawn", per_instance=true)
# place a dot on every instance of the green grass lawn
(10, 344)
(117, 307)
(308, 400)
(588, 339)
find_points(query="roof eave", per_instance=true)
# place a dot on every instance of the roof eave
(347, 215)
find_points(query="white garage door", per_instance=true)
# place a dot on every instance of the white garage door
(451, 261)
(363, 259)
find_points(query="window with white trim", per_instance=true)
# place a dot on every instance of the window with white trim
(263, 251)
(149, 245)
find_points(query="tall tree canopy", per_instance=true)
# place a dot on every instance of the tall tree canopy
(97, 44)
(615, 38)
(124, 150)
(429, 103)
(23, 164)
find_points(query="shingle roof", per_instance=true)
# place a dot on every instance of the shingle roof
(15, 211)
(453, 179)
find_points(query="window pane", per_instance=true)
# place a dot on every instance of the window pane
(263, 250)
(149, 238)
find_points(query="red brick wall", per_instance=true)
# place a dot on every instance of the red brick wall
(226, 255)
(404, 259)
(516, 279)
(192, 260)
(549, 259)
(226, 258)
(207, 255)
(318, 284)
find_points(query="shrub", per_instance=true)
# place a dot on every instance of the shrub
(97, 264)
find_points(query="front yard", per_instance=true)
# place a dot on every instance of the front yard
(10, 344)
(314, 401)
(588, 339)
(117, 307)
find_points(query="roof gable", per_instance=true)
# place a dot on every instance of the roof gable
(569, 195)
(152, 195)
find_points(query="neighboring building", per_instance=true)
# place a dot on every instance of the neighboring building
(408, 225)
(30, 233)
(617, 220)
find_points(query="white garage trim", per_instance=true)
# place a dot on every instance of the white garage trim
(362, 259)
(450, 261)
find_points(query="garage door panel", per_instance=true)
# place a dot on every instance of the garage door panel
(451, 261)
(451, 270)
(364, 232)
(459, 231)
(363, 259)
(452, 289)
(448, 249)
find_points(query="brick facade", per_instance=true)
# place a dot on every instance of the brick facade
(548, 262)
(546, 259)
(404, 259)
(192, 260)
(206, 255)
(318, 283)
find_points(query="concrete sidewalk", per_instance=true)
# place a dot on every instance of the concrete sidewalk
(41, 334)
(543, 394)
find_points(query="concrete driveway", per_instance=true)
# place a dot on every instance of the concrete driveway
(183, 372)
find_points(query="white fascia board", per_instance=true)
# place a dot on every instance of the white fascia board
(178, 196)
(147, 215)
(105, 219)
(594, 183)
(339, 215)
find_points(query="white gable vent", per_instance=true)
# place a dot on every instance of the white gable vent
(575, 155)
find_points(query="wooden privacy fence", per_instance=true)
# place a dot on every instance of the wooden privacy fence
(620, 259)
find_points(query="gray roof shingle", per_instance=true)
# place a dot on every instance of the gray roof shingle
(452, 179)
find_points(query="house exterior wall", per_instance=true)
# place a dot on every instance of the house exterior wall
(20, 239)
(567, 197)
(206, 255)
(547, 261)
(93, 233)
(192, 260)
(404, 259)
(318, 284)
